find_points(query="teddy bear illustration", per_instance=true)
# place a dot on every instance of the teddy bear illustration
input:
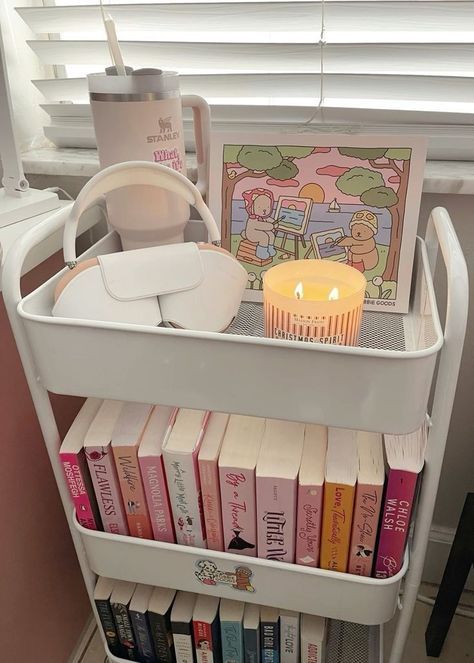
(363, 252)
(242, 579)
(260, 223)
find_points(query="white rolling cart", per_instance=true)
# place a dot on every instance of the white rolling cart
(383, 385)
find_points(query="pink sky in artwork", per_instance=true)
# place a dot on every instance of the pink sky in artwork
(321, 168)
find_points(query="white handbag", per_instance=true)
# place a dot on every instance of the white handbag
(188, 285)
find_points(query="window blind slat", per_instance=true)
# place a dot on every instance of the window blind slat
(389, 65)
(451, 143)
(341, 110)
(448, 20)
(336, 86)
(428, 60)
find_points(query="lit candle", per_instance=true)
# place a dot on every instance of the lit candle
(317, 301)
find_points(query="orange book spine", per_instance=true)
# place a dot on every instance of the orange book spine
(337, 522)
(133, 494)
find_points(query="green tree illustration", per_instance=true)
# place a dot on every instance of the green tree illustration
(369, 185)
(258, 161)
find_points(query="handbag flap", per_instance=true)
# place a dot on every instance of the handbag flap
(152, 271)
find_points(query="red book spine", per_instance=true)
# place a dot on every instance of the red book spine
(395, 522)
(203, 642)
(79, 484)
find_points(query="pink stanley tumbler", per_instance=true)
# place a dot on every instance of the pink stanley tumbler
(139, 118)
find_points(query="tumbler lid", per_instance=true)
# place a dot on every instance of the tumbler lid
(140, 82)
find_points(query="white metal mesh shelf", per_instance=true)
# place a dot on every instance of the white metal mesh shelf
(379, 330)
(350, 387)
(353, 643)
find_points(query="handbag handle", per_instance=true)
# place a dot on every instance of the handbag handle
(128, 174)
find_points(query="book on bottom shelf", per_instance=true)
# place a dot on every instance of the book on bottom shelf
(339, 490)
(270, 634)
(71, 454)
(150, 458)
(100, 460)
(209, 473)
(289, 636)
(119, 602)
(251, 633)
(367, 504)
(310, 495)
(138, 610)
(182, 626)
(125, 442)
(102, 593)
(405, 458)
(180, 452)
(312, 639)
(237, 465)
(231, 614)
(206, 629)
(159, 618)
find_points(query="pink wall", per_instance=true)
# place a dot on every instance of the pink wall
(43, 603)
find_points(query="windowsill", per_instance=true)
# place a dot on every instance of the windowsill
(440, 176)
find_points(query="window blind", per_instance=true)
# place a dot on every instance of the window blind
(350, 65)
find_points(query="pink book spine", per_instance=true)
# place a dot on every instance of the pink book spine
(308, 524)
(276, 518)
(133, 495)
(238, 510)
(76, 474)
(211, 503)
(156, 493)
(367, 506)
(184, 487)
(395, 523)
(106, 486)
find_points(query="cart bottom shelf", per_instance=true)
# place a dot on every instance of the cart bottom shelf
(347, 643)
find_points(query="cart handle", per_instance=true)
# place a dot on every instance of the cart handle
(17, 254)
(440, 233)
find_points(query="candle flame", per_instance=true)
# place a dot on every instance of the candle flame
(299, 291)
(334, 294)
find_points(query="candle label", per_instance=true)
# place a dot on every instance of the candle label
(342, 329)
(337, 339)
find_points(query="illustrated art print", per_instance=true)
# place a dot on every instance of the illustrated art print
(350, 198)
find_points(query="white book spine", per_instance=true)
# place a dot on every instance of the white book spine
(289, 638)
(185, 496)
(312, 651)
(183, 647)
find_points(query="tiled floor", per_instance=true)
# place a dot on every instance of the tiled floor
(458, 647)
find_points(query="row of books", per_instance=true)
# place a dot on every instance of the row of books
(279, 490)
(158, 625)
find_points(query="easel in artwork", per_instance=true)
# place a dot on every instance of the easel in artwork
(297, 238)
(293, 229)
